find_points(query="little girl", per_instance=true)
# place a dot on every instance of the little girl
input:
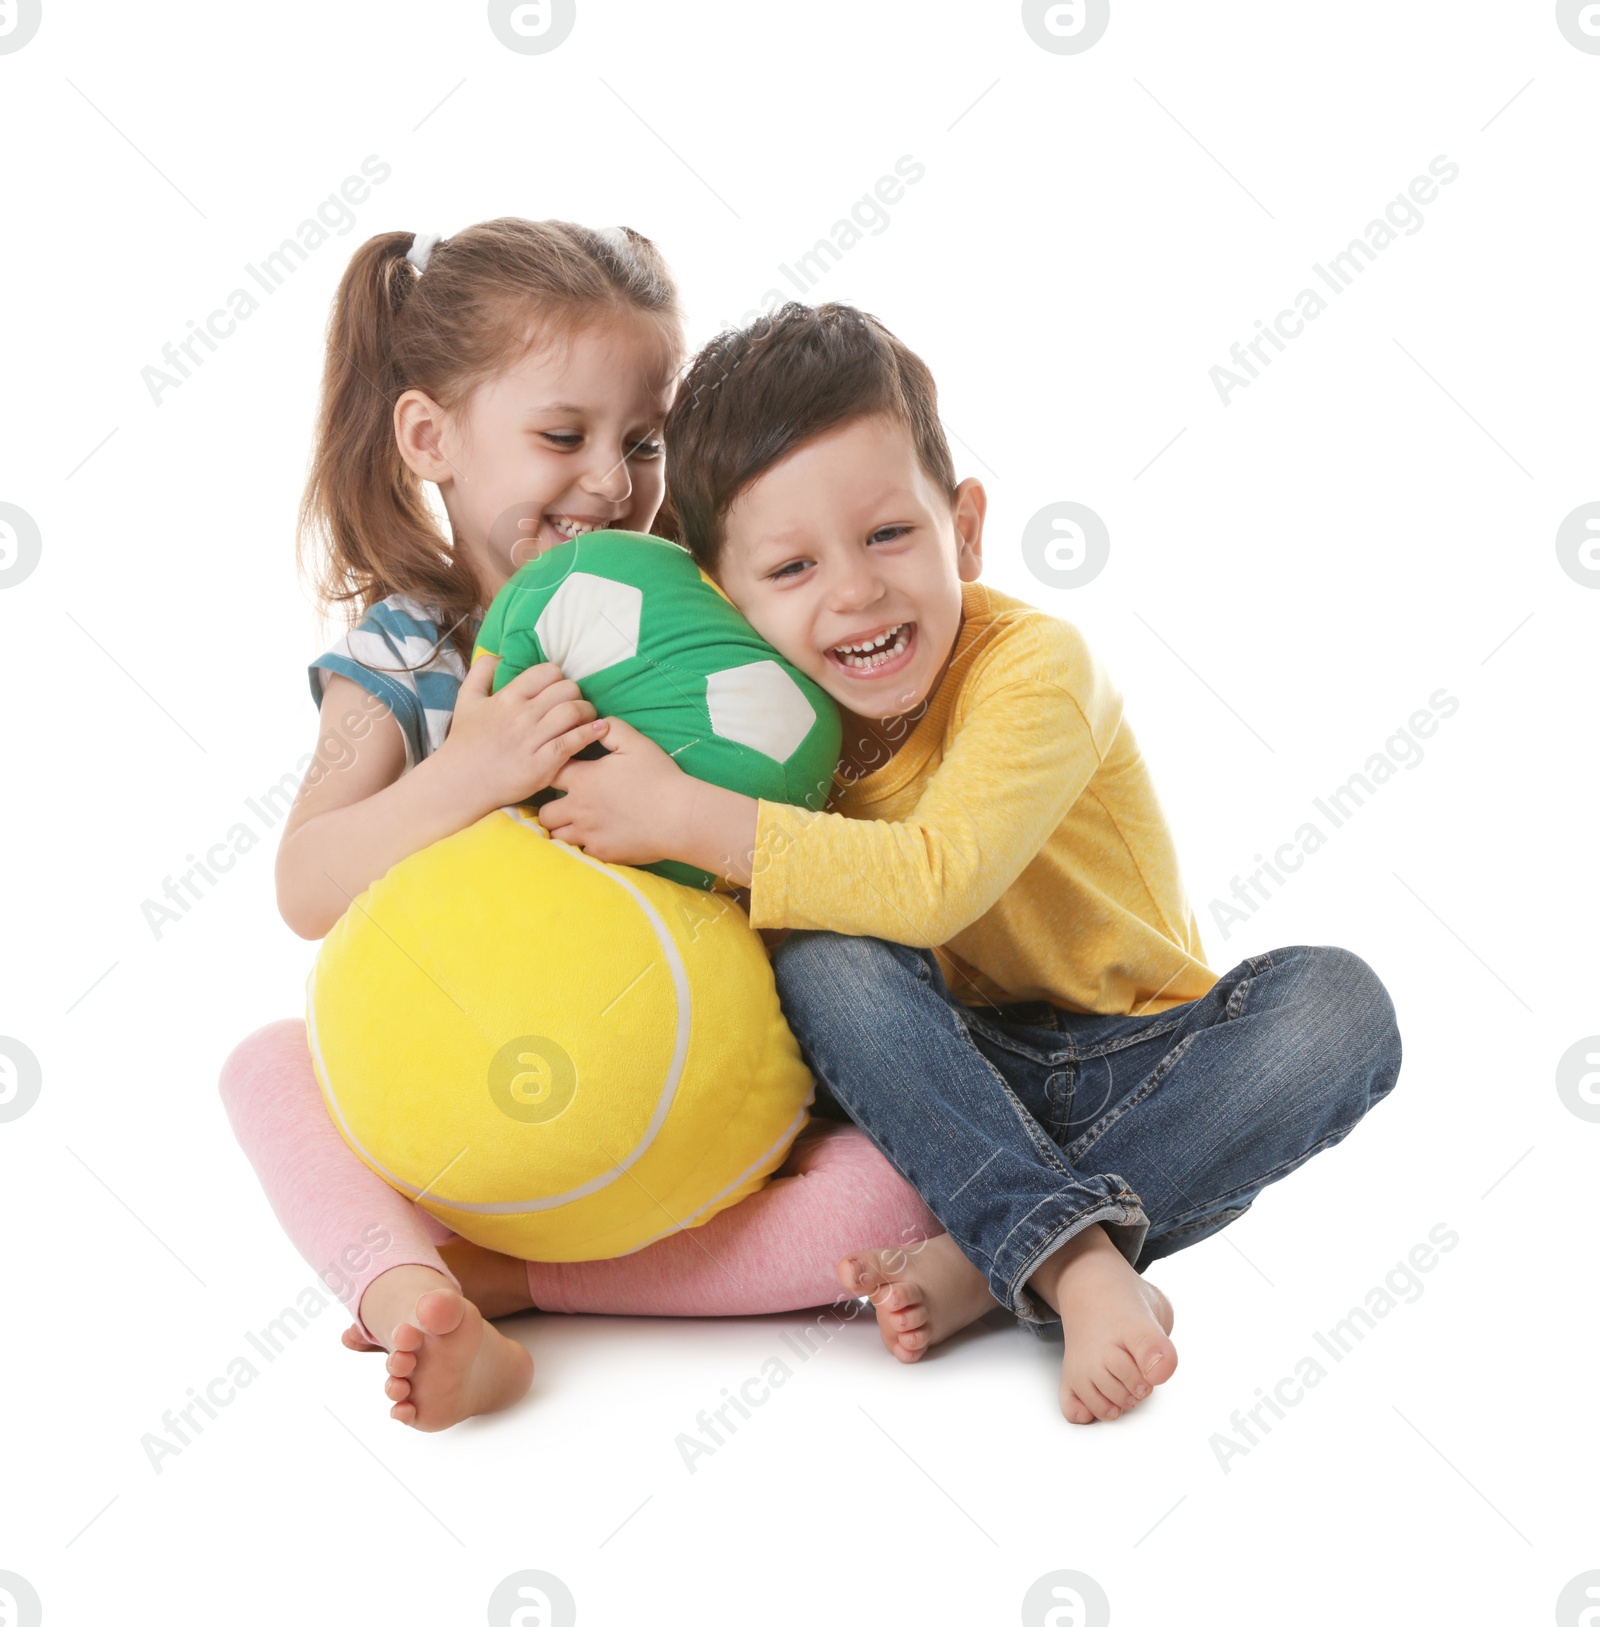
(523, 369)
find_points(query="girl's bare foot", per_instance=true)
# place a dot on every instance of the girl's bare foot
(1115, 1324)
(922, 1293)
(496, 1283)
(446, 1363)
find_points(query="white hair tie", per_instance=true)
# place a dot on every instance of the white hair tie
(421, 250)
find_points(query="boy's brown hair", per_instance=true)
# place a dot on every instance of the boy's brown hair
(756, 394)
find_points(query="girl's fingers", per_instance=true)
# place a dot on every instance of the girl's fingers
(536, 679)
(563, 747)
(480, 675)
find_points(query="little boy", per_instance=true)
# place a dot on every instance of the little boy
(996, 971)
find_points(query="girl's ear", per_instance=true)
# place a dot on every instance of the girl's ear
(419, 425)
(968, 510)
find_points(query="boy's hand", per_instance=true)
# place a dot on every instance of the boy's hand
(626, 808)
(503, 747)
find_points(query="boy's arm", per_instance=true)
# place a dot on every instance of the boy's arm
(1022, 757)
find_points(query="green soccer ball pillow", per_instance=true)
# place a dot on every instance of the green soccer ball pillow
(650, 638)
(563, 1059)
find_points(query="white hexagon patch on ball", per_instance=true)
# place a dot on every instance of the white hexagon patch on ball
(760, 706)
(589, 624)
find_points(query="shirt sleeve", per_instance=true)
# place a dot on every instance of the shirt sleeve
(396, 654)
(1024, 751)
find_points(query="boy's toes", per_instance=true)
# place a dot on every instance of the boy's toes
(859, 1273)
(1074, 1410)
(895, 1296)
(1117, 1393)
(1124, 1370)
(911, 1344)
(1100, 1404)
(912, 1317)
(1157, 1358)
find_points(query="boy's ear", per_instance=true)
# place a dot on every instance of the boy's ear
(970, 505)
(419, 422)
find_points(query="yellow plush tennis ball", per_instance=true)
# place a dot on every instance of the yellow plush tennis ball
(560, 1059)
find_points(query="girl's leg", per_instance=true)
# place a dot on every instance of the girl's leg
(776, 1251)
(372, 1246)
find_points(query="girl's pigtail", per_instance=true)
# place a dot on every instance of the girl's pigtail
(365, 527)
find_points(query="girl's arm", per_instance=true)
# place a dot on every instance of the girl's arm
(358, 812)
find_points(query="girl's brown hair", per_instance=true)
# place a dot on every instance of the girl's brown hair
(487, 294)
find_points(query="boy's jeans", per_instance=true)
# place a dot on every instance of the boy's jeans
(1021, 1125)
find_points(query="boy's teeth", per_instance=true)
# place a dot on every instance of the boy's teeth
(574, 528)
(873, 652)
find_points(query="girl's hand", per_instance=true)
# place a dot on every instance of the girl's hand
(627, 808)
(503, 747)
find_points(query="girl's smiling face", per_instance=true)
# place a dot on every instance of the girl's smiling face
(565, 440)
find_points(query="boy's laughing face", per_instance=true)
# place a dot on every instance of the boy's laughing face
(849, 561)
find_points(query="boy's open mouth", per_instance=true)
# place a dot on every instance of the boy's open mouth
(879, 653)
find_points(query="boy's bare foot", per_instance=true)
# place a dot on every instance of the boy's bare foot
(446, 1363)
(922, 1293)
(1115, 1324)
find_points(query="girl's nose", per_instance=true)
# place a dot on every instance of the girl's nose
(611, 480)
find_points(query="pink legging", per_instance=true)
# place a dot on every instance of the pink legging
(775, 1251)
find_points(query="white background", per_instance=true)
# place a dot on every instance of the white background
(1372, 520)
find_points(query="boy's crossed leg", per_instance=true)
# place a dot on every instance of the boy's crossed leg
(1027, 1129)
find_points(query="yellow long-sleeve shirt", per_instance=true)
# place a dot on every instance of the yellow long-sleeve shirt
(1017, 832)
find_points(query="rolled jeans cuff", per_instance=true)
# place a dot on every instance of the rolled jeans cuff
(1095, 1200)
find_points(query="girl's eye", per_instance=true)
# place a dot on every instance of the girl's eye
(565, 442)
(646, 449)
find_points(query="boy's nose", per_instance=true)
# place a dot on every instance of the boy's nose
(857, 589)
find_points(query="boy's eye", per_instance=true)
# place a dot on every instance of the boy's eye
(647, 448)
(565, 441)
(791, 569)
(888, 533)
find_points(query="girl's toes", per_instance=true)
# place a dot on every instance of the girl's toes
(407, 1338)
(913, 1316)
(398, 1389)
(914, 1340)
(405, 1413)
(402, 1363)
